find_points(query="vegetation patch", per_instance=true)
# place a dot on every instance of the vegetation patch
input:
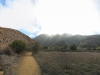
(36, 48)
(18, 46)
(69, 63)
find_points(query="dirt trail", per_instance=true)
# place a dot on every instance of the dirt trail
(28, 65)
(1, 72)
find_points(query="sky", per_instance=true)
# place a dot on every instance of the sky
(34, 17)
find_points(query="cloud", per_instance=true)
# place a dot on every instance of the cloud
(68, 16)
(34, 2)
(34, 17)
(19, 14)
(97, 3)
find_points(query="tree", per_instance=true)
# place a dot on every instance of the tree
(65, 46)
(73, 47)
(18, 46)
(45, 47)
(36, 48)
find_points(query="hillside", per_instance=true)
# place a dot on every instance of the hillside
(7, 35)
(47, 40)
(91, 41)
(61, 40)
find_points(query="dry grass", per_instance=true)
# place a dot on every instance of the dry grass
(69, 63)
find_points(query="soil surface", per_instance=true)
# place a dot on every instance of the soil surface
(1, 72)
(28, 65)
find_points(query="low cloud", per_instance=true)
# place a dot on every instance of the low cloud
(68, 16)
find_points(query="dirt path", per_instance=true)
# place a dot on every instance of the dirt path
(1, 72)
(28, 65)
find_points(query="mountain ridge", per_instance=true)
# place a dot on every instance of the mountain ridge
(68, 39)
(50, 39)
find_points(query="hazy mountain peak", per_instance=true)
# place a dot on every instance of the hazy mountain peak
(68, 39)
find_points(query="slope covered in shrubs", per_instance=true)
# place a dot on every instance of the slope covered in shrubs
(8, 35)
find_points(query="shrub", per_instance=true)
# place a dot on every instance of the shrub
(8, 51)
(65, 46)
(36, 48)
(18, 46)
(73, 47)
(63, 49)
(94, 48)
(45, 47)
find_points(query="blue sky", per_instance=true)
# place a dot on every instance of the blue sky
(28, 33)
(34, 17)
(3, 2)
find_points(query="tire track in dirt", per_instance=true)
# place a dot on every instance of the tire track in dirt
(28, 66)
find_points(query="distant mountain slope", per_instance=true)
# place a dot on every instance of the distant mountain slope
(75, 39)
(7, 35)
(47, 40)
(41, 38)
(90, 41)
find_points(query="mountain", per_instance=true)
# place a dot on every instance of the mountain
(75, 39)
(68, 39)
(47, 40)
(8, 35)
(91, 41)
(42, 38)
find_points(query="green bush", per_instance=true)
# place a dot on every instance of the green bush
(73, 47)
(45, 47)
(36, 48)
(65, 46)
(18, 46)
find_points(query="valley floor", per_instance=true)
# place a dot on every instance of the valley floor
(69, 63)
